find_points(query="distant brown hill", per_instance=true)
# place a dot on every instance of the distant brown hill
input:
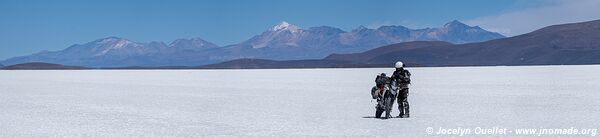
(273, 64)
(41, 66)
(428, 53)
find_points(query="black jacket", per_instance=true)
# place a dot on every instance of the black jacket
(401, 76)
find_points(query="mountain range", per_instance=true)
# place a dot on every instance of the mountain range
(565, 44)
(281, 42)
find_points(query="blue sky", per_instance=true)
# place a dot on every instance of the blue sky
(29, 26)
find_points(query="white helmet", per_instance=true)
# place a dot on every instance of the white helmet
(399, 64)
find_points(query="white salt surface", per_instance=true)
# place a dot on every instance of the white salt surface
(291, 102)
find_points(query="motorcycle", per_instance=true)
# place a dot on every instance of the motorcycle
(385, 92)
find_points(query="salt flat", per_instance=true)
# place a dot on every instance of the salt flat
(291, 102)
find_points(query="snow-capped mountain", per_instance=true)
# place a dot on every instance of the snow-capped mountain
(283, 41)
(281, 35)
(102, 52)
(287, 41)
(114, 46)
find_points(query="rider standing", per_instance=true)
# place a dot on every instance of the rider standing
(402, 77)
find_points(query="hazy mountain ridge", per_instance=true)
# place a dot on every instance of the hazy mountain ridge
(327, 40)
(281, 42)
(566, 44)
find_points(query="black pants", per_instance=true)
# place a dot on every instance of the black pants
(403, 102)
